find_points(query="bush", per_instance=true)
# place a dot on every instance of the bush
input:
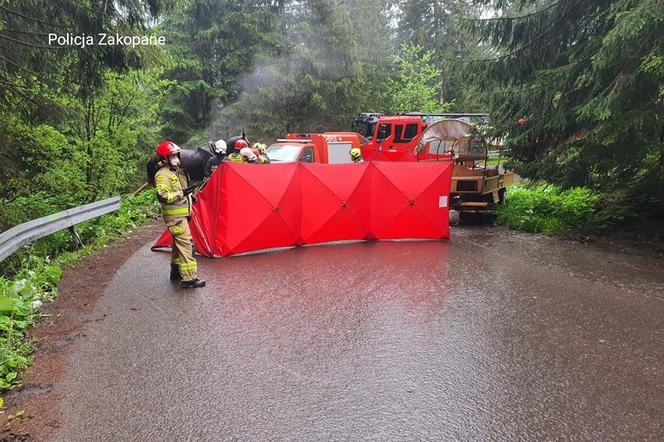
(547, 209)
(31, 276)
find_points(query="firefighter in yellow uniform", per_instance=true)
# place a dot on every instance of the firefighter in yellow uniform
(260, 150)
(235, 155)
(356, 155)
(171, 184)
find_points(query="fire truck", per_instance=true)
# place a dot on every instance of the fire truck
(327, 147)
(394, 137)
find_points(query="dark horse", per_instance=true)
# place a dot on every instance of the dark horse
(193, 161)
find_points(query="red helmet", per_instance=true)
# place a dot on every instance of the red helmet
(239, 144)
(167, 148)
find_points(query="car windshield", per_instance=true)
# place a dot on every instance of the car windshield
(283, 152)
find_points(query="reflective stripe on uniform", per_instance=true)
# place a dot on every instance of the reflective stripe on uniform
(169, 193)
(169, 196)
(175, 209)
(175, 206)
(180, 211)
(188, 265)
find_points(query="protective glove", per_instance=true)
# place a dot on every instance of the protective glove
(188, 190)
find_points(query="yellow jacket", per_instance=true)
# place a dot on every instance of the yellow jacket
(169, 184)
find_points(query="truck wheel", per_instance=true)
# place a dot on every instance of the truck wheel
(501, 195)
(454, 217)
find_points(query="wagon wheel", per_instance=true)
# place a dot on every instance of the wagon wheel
(501, 195)
(454, 217)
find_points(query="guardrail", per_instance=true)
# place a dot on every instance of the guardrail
(25, 233)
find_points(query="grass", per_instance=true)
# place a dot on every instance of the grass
(496, 161)
(547, 209)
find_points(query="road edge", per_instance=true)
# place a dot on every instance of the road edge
(63, 323)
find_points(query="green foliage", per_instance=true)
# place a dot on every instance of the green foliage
(211, 44)
(96, 152)
(438, 27)
(588, 76)
(417, 85)
(333, 65)
(547, 209)
(27, 59)
(32, 275)
(20, 299)
(76, 124)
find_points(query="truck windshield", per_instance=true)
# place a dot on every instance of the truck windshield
(283, 152)
(364, 129)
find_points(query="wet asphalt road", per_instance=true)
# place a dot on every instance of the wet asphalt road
(493, 336)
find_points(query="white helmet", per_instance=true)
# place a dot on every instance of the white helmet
(219, 147)
(248, 154)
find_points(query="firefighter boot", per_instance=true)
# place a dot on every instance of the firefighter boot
(175, 273)
(193, 284)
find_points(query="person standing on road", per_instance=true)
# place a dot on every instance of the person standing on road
(174, 194)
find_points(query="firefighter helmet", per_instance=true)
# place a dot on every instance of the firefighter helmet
(260, 147)
(219, 147)
(247, 153)
(355, 154)
(167, 148)
(240, 144)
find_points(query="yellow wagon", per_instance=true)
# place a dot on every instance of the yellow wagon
(476, 187)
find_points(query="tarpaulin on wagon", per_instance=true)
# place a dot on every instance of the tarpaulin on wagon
(247, 207)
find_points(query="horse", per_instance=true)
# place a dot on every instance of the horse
(192, 161)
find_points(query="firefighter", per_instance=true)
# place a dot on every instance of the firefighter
(219, 149)
(260, 150)
(173, 192)
(248, 155)
(356, 155)
(237, 147)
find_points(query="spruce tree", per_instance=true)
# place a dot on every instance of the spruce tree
(438, 27)
(331, 69)
(211, 43)
(576, 87)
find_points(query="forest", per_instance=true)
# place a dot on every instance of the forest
(574, 87)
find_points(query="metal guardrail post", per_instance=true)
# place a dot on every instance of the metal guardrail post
(77, 242)
(25, 233)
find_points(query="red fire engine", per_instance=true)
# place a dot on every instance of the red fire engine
(327, 147)
(394, 137)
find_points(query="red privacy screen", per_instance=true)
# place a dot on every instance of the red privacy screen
(247, 207)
